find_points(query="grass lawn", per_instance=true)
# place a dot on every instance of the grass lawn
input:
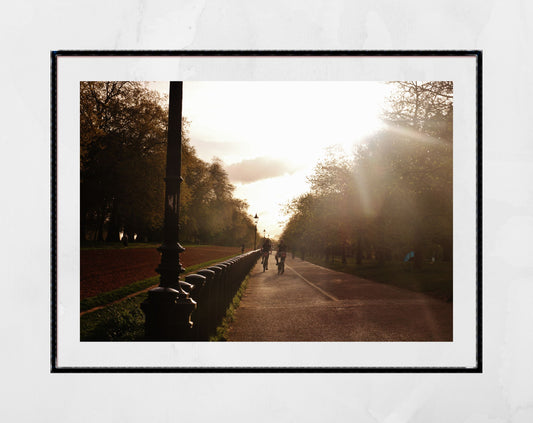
(122, 320)
(94, 245)
(115, 295)
(433, 279)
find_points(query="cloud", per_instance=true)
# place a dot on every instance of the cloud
(253, 170)
(207, 148)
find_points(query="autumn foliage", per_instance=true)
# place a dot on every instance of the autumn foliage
(123, 138)
(393, 195)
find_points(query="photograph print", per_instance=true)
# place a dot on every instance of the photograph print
(309, 220)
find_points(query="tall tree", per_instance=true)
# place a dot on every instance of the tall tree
(395, 194)
(421, 120)
(123, 129)
(123, 125)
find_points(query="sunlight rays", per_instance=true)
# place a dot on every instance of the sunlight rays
(287, 122)
(413, 135)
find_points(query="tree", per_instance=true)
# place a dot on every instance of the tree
(122, 150)
(395, 194)
(421, 118)
(425, 107)
(123, 143)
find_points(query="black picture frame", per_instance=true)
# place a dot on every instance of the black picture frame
(477, 54)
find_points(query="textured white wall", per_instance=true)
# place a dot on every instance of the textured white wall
(502, 29)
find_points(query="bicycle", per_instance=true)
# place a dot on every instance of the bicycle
(265, 260)
(281, 263)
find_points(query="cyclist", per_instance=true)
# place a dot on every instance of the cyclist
(280, 256)
(265, 251)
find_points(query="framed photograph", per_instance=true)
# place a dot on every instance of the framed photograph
(322, 207)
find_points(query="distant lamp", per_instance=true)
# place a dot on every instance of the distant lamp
(256, 219)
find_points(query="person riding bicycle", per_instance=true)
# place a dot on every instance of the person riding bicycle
(282, 250)
(280, 257)
(265, 251)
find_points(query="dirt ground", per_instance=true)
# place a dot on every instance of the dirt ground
(107, 269)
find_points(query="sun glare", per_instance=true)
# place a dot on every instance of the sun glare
(298, 119)
(281, 121)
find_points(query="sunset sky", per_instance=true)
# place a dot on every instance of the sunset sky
(270, 135)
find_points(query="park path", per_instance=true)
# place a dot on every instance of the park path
(311, 303)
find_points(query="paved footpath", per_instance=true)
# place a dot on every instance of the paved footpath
(312, 303)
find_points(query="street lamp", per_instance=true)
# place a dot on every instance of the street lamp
(168, 307)
(256, 219)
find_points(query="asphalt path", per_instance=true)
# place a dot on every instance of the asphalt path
(311, 303)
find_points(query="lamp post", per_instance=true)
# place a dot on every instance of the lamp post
(256, 219)
(168, 307)
(170, 267)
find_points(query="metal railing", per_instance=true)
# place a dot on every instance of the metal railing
(213, 290)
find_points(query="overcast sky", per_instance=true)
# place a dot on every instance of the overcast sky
(270, 135)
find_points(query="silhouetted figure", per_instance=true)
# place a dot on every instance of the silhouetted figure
(265, 252)
(280, 257)
(282, 250)
(125, 239)
(242, 249)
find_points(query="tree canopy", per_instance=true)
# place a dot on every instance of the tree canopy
(393, 194)
(123, 135)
